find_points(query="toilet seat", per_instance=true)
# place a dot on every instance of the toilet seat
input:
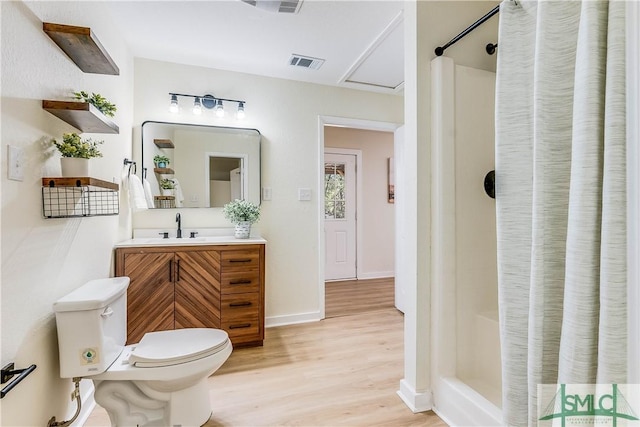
(173, 347)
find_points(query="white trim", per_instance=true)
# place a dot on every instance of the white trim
(292, 319)
(244, 167)
(359, 207)
(457, 404)
(343, 122)
(417, 402)
(376, 275)
(633, 188)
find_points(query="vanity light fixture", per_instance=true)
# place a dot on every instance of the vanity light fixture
(207, 102)
(219, 108)
(173, 105)
(197, 106)
(240, 113)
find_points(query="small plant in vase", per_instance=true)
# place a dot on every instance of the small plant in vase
(242, 213)
(167, 186)
(76, 153)
(161, 161)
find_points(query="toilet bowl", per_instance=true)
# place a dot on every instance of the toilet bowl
(160, 381)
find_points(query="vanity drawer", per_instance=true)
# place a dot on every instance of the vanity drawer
(243, 328)
(240, 259)
(236, 306)
(236, 282)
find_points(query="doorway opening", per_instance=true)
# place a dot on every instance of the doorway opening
(373, 260)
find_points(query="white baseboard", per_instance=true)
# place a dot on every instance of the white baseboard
(457, 404)
(376, 275)
(292, 319)
(417, 402)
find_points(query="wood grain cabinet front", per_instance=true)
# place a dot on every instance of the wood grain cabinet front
(195, 287)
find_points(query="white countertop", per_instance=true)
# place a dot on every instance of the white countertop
(151, 237)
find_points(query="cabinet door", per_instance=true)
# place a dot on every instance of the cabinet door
(197, 289)
(150, 300)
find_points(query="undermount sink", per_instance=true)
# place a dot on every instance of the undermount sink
(152, 237)
(182, 241)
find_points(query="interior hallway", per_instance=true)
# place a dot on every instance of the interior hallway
(342, 371)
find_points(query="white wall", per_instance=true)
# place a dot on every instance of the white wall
(44, 259)
(286, 113)
(377, 218)
(422, 35)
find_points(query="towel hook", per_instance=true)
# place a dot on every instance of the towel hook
(130, 163)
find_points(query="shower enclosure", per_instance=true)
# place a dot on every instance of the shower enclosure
(466, 373)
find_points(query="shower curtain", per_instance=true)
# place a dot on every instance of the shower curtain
(560, 198)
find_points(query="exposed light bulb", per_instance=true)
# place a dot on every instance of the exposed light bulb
(240, 114)
(197, 106)
(219, 109)
(173, 104)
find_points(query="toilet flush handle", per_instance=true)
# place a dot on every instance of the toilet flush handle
(108, 312)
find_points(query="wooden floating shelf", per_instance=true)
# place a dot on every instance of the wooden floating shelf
(83, 47)
(81, 115)
(164, 143)
(164, 171)
(78, 181)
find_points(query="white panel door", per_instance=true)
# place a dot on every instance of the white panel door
(340, 216)
(236, 184)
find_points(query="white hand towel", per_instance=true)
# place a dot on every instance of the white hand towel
(137, 198)
(147, 193)
(178, 193)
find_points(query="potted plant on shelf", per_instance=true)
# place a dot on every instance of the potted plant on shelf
(76, 153)
(242, 213)
(161, 161)
(98, 101)
(167, 186)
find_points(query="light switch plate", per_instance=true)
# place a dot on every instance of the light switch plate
(266, 193)
(15, 161)
(304, 194)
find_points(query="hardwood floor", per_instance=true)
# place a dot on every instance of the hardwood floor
(349, 297)
(342, 371)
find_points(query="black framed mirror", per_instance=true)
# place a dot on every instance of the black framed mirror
(205, 166)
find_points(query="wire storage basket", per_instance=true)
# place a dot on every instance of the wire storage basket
(78, 197)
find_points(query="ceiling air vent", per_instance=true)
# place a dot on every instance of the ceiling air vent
(277, 6)
(305, 62)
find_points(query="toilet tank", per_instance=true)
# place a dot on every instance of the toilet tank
(92, 326)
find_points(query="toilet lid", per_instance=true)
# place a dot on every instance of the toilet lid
(164, 348)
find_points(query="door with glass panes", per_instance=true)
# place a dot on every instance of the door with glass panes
(340, 216)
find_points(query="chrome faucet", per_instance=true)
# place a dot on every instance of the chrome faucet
(178, 220)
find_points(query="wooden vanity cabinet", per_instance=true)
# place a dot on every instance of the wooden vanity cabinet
(218, 286)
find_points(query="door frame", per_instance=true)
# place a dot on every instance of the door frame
(358, 156)
(348, 123)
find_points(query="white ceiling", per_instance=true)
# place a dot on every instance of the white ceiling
(361, 41)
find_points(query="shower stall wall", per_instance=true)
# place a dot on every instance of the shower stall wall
(465, 334)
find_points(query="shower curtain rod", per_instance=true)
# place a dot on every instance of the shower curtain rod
(440, 50)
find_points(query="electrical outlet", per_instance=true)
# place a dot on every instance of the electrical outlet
(304, 194)
(15, 161)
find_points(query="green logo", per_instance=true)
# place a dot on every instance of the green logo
(588, 403)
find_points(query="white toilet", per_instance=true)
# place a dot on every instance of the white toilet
(161, 381)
